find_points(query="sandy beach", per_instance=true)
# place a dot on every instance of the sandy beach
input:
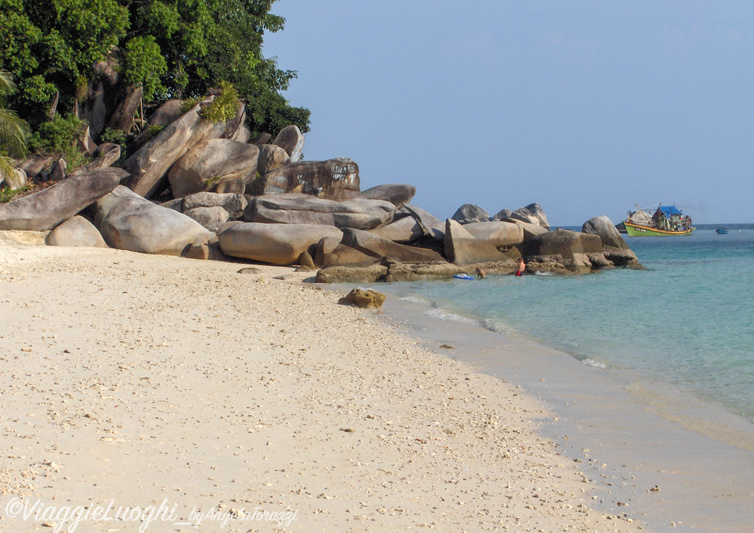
(164, 394)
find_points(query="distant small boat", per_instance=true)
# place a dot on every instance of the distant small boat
(666, 221)
(721, 231)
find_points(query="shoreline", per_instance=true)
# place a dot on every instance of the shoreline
(144, 379)
(628, 434)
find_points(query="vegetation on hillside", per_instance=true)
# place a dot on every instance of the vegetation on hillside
(172, 48)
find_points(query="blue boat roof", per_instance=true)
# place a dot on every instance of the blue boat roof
(670, 210)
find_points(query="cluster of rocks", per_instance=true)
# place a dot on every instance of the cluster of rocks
(257, 201)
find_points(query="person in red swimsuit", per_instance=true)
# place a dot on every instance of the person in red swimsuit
(520, 267)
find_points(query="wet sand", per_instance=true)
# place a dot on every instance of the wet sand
(160, 393)
(673, 461)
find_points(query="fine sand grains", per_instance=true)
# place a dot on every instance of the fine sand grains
(129, 381)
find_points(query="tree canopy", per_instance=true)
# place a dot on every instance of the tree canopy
(172, 48)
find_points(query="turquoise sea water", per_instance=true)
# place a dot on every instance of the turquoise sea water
(688, 320)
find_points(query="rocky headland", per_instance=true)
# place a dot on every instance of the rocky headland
(201, 190)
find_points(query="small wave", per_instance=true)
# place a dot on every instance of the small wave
(413, 299)
(543, 273)
(444, 315)
(594, 364)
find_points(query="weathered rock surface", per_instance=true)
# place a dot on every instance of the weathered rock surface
(129, 222)
(351, 274)
(468, 213)
(334, 179)
(76, 231)
(35, 165)
(279, 244)
(58, 171)
(271, 157)
(330, 252)
(210, 218)
(49, 207)
(151, 162)
(576, 252)
(363, 298)
(378, 247)
(462, 248)
(105, 155)
(163, 116)
(419, 271)
(234, 204)
(305, 209)
(432, 226)
(614, 248)
(606, 230)
(396, 194)
(15, 181)
(291, 140)
(210, 162)
(401, 230)
(497, 233)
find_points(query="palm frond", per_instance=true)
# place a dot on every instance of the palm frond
(13, 132)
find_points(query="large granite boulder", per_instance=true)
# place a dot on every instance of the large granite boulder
(614, 248)
(469, 213)
(401, 230)
(305, 209)
(35, 165)
(433, 227)
(531, 214)
(606, 230)
(462, 248)
(163, 116)
(334, 179)
(78, 232)
(213, 161)
(271, 157)
(234, 204)
(49, 207)
(210, 218)
(378, 247)
(352, 274)
(129, 222)
(497, 233)
(152, 161)
(574, 251)
(330, 252)
(396, 194)
(291, 140)
(279, 244)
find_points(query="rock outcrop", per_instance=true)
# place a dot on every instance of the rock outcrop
(462, 248)
(291, 140)
(402, 230)
(469, 213)
(153, 160)
(295, 208)
(279, 244)
(565, 250)
(210, 163)
(129, 222)
(378, 247)
(497, 233)
(614, 248)
(49, 207)
(396, 194)
(364, 298)
(334, 179)
(77, 232)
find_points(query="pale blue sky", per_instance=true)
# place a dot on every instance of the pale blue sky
(585, 107)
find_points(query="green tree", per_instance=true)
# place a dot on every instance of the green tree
(13, 130)
(173, 48)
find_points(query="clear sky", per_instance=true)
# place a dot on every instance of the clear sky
(585, 107)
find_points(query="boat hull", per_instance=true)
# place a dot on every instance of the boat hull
(637, 230)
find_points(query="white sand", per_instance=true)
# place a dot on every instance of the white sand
(138, 380)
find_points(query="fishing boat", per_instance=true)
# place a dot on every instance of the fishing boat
(667, 220)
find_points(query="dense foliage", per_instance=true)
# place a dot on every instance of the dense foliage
(13, 130)
(173, 48)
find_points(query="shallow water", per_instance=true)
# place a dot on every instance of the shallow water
(686, 321)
